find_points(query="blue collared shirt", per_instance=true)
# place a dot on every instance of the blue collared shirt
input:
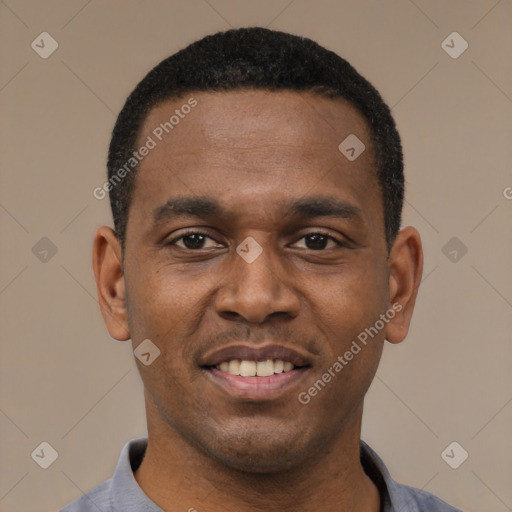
(122, 493)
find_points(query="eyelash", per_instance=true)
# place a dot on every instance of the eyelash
(202, 233)
(188, 233)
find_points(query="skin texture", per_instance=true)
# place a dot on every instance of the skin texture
(255, 152)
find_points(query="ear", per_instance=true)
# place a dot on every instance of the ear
(109, 274)
(405, 270)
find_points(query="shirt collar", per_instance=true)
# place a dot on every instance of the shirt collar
(391, 492)
(126, 493)
(129, 497)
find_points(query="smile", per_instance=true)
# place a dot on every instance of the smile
(247, 368)
(256, 373)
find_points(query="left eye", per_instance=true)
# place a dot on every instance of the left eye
(318, 241)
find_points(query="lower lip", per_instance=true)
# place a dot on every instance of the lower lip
(256, 388)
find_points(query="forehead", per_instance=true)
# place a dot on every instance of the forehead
(250, 147)
(249, 119)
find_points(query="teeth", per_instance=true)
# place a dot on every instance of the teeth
(278, 366)
(252, 368)
(247, 368)
(234, 367)
(265, 368)
(287, 366)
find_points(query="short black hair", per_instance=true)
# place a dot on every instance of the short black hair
(257, 58)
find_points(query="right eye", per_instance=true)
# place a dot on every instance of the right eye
(192, 240)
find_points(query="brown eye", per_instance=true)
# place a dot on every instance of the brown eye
(316, 241)
(319, 241)
(193, 241)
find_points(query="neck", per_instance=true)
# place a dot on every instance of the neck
(179, 476)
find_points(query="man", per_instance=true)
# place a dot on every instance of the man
(258, 266)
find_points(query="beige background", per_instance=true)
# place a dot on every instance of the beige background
(66, 382)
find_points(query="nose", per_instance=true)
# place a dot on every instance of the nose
(254, 291)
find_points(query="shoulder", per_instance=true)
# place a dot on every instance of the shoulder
(417, 500)
(399, 497)
(120, 493)
(99, 499)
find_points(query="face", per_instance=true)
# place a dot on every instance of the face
(252, 238)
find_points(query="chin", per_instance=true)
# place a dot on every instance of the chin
(249, 462)
(260, 452)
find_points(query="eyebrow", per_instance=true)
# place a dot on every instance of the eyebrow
(207, 207)
(310, 207)
(176, 207)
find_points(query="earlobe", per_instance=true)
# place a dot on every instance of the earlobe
(109, 275)
(405, 270)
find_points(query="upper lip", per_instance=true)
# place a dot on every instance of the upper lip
(252, 353)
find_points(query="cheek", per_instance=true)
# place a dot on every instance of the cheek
(346, 311)
(167, 307)
(351, 300)
(159, 302)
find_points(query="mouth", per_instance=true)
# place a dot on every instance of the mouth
(256, 374)
(246, 368)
